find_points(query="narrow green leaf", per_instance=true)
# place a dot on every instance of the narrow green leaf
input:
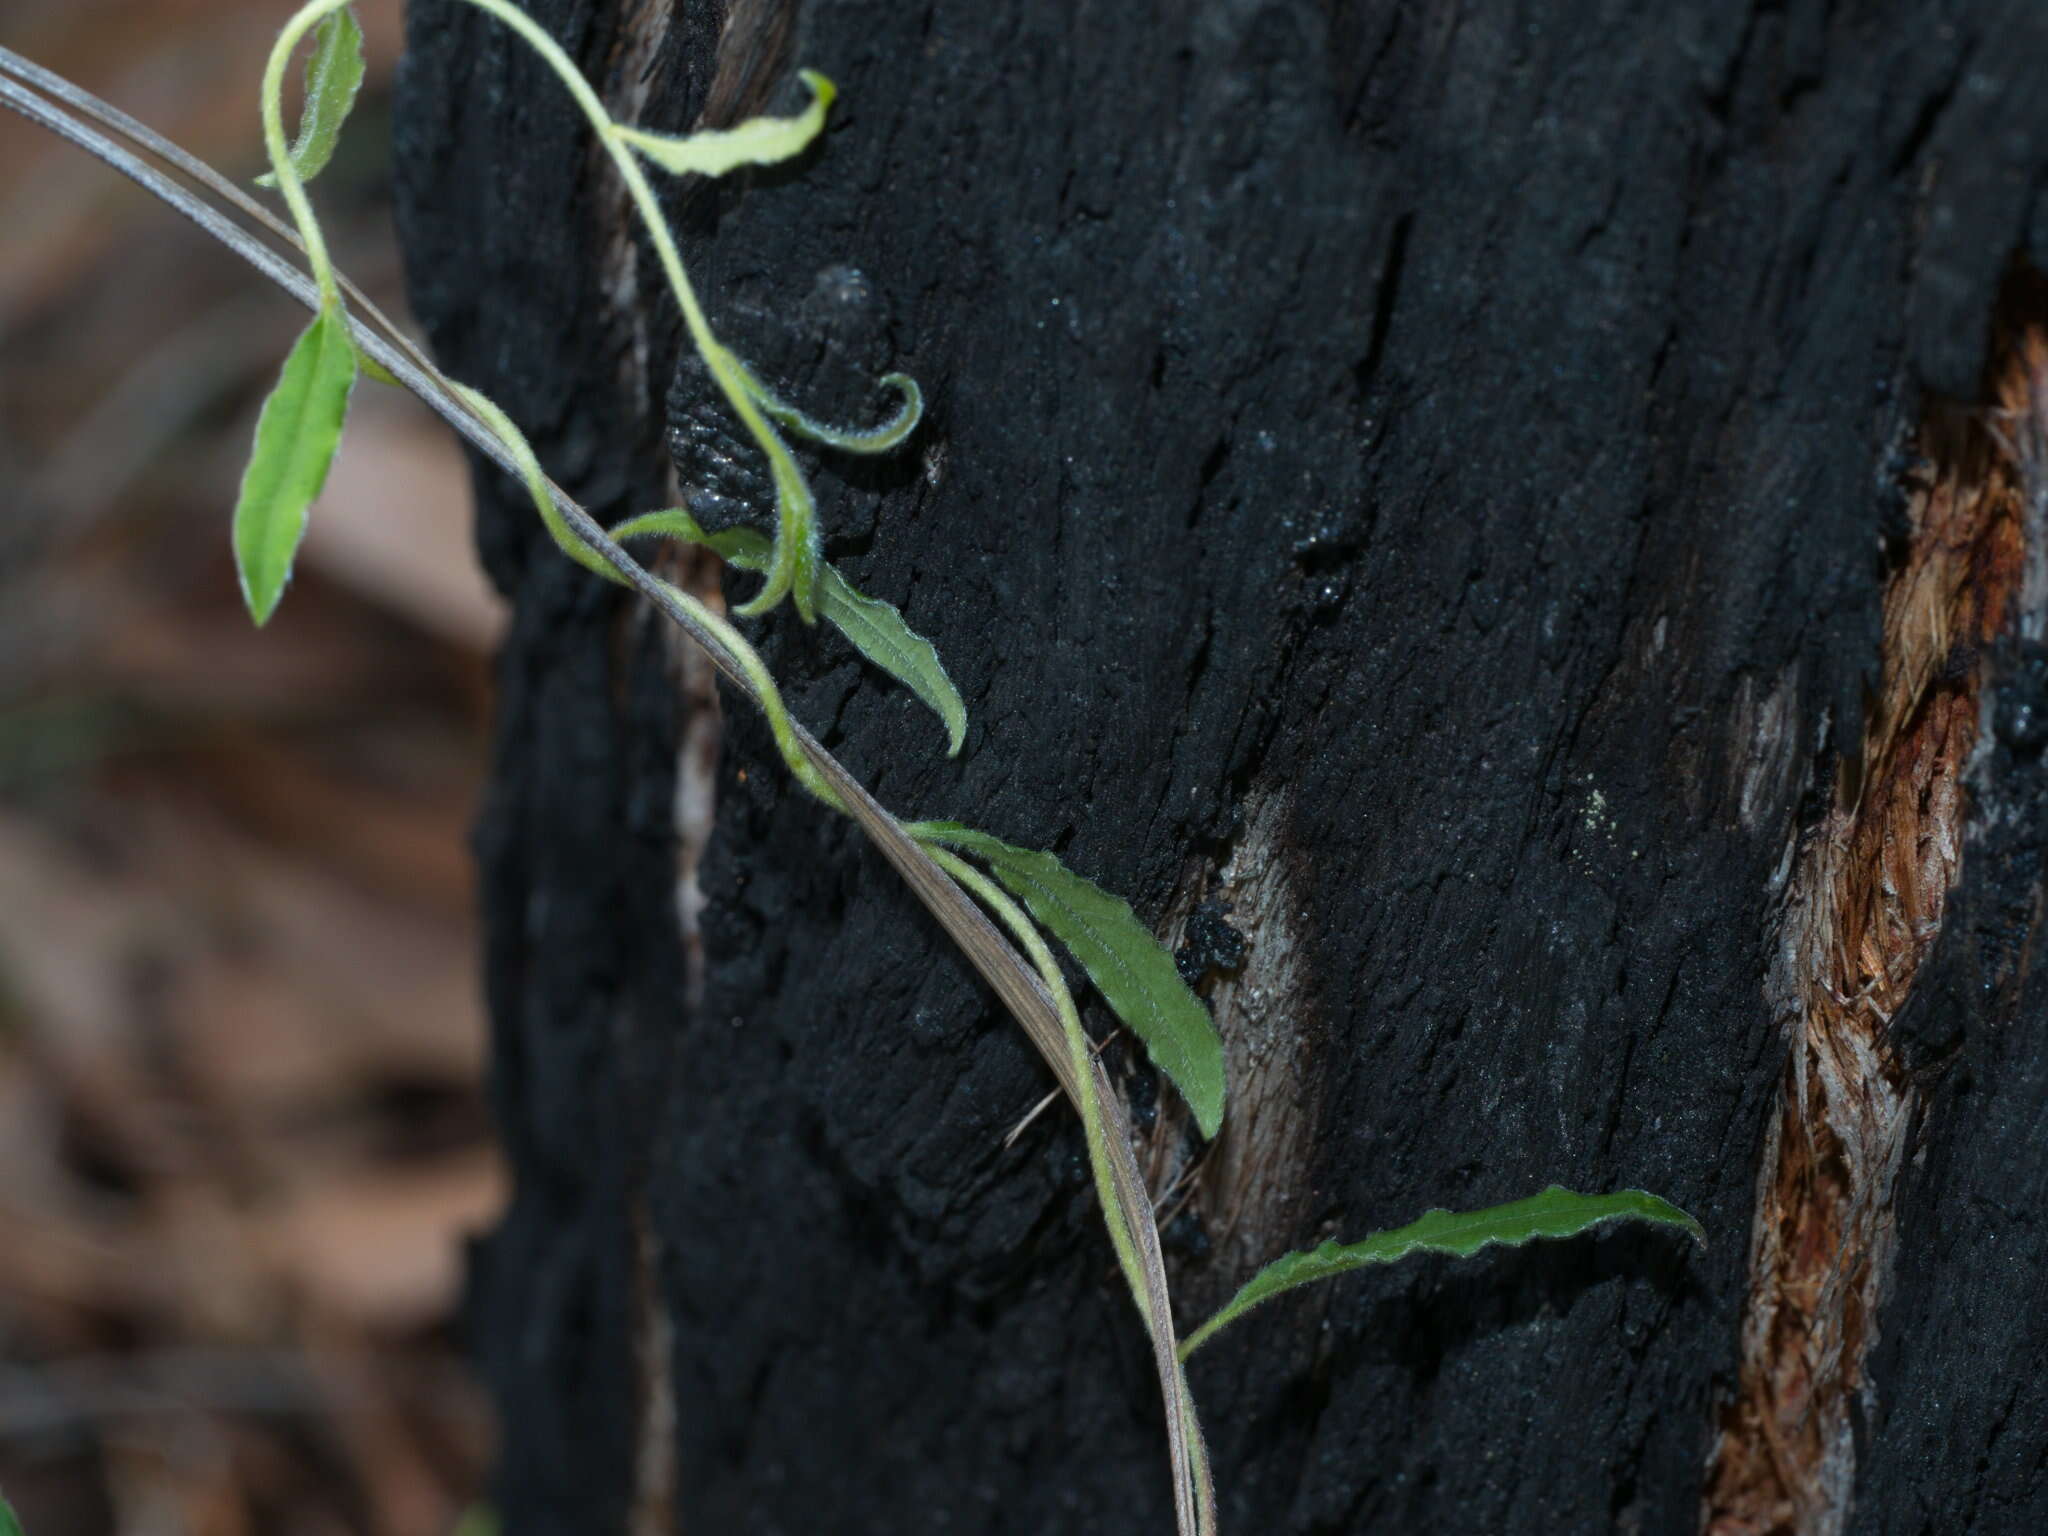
(295, 441)
(747, 548)
(1557, 1212)
(878, 632)
(1130, 968)
(334, 73)
(372, 369)
(757, 141)
(876, 629)
(10, 1523)
(846, 439)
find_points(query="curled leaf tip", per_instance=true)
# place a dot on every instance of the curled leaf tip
(862, 440)
(822, 88)
(757, 141)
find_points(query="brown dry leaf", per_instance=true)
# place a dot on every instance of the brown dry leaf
(380, 1250)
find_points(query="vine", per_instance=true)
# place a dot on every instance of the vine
(1029, 894)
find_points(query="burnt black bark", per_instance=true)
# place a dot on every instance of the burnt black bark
(1451, 447)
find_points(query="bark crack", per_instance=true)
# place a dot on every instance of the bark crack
(1862, 912)
(1247, 1189)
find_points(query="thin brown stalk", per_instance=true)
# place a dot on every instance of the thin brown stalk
(966, 925)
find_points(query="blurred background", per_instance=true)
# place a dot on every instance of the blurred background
(242, 1134)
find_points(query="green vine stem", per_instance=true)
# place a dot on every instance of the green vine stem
(798, 552)
(1086, 1100)
(793, 572)
(766, 694)
(1087, 1093)
(1035, 994)
(286, 173)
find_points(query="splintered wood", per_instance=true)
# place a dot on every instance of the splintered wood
(1863, 911)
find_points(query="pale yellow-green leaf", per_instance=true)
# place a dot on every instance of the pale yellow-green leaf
(757, 141)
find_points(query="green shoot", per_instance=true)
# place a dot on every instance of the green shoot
(876, 628)
(1557, 1212)
(1130, 968)
(334, 73)
(296, 437)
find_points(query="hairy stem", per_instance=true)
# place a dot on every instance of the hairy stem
(794, 571)
(1022, 990)
(1086, 1100)
(1118, 1212)
(274, 145)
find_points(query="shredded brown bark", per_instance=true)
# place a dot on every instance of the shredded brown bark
(1862, 912)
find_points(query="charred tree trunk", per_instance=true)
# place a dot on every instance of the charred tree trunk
(1529, 515)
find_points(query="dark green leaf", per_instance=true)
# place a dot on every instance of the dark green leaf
(334, 73)
(1130, 968)
(295, 441)
(1557, 1212)
(876, 628)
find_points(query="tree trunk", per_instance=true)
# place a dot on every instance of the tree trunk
(1531, 517)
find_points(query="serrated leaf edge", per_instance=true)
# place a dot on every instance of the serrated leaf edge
(1457, 1233)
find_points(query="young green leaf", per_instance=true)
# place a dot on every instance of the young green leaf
(876, 628)
(1130, 968)
(295, 441)
(878, 632)
(758, 141)
(334, 73)
(1557, 1212)
(847, 440)
(10, 1523)
(747, 548)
